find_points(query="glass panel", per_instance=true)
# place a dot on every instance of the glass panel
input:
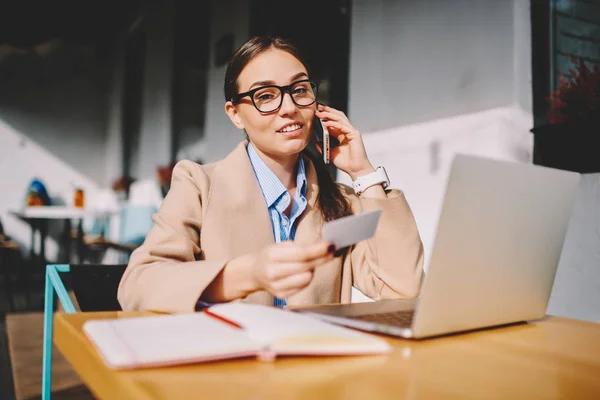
(574, 31)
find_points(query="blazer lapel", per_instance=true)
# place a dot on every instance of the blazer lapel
(241, 207)
(243, 220)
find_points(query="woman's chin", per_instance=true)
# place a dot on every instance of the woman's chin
(294, 145)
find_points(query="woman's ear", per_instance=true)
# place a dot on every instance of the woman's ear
(234, 115)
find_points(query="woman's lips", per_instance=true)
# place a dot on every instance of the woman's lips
(292, 133)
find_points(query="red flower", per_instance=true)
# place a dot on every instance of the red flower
(122, 184)
(578, 96)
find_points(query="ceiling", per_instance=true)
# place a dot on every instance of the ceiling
(27, 23)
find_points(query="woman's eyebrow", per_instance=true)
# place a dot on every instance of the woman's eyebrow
(268, 83)
(261, 83)
(298, 75)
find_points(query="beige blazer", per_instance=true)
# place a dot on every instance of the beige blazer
(216, 212)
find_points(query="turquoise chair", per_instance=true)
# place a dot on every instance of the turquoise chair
(136, 222)
(95, 288)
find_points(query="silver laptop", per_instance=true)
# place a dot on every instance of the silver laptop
(497, 247)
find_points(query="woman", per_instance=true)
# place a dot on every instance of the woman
(249, 226)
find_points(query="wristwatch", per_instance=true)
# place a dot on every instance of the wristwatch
(374, 178)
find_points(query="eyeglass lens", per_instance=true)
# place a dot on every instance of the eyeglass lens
(269, 98)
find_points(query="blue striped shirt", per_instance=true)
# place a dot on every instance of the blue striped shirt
(278, 200)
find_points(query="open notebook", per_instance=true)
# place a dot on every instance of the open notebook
(223, 331)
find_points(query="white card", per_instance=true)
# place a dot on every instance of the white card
(352, 229)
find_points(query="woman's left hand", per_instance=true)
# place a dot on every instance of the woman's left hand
(350, 156)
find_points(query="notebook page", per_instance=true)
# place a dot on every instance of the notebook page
(167, 340)
(286, 332)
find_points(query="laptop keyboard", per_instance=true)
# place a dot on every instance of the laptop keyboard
(401, 319)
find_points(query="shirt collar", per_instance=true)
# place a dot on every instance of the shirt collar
(271, 186)
(301, 177)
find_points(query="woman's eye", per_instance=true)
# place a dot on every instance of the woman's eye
(264, 97)
(300, 90)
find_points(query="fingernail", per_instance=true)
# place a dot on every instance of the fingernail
(331, 248)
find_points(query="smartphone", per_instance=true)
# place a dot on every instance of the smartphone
(322, 137)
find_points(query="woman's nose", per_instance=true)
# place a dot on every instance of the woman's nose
(287, 105)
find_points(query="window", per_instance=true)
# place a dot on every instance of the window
(561, 28)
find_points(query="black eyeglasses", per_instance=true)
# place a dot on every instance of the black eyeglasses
(268, 99)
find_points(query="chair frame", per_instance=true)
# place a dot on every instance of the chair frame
(53, 285)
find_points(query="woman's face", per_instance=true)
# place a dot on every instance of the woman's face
(281, 133)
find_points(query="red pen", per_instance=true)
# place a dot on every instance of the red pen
(222, 319)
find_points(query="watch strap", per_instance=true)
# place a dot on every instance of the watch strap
(379, 176)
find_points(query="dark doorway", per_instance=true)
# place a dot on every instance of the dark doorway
(132, 98)
(322, 31)
(190, 72)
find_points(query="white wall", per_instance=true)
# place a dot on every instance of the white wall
(421, 155)
(59, 101)
(522, 89)
(21, 160)
(418, 157)
(430, 79)
(52, 126)
(414, 60)
(72, 100)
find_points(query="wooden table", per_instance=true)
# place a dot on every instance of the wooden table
(551, 359)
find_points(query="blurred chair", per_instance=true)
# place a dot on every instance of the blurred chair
(145, 198)
(124, 231)
(134, 223)
(147, 192)
(95, 288)
(9, 251)
(94, 234)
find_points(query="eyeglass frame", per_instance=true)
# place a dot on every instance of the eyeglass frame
(282, 89)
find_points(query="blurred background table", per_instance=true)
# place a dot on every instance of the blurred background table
(38, 218)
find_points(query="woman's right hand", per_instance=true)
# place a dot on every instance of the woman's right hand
(284, 269)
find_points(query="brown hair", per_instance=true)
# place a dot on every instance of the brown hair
(331, 201)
